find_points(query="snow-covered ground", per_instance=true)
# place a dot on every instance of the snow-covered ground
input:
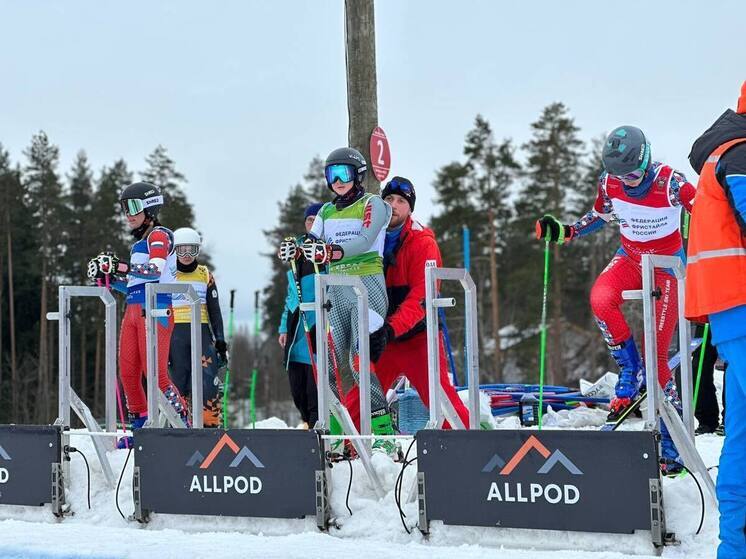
(374, 529)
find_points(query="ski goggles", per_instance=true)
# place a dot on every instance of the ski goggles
(133, 206)
(400, 186)
(339, 172)
(187, 250)
(634, 176)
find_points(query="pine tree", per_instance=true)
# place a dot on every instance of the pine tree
(552, 173)
(47, 214)
(161, 171)
(111, 226)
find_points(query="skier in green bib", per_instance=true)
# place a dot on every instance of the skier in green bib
(348, 235)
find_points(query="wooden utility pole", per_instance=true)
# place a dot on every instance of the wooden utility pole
(494, 298)
(362, 85)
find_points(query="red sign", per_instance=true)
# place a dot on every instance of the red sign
(380, 153)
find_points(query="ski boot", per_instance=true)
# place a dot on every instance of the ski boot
(631, 384)
(178, 403)
(136, 422)
(670, 460)
(382, 425)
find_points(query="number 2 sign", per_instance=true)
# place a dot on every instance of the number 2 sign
(380, 153)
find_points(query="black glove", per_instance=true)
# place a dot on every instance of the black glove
(378, 341)
(222, 350)
(549, 227)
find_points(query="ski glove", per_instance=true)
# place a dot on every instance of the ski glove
(549, 227)
(106, 264)
(378, 341)
(317, 251)
(288, 250)
(222, 350)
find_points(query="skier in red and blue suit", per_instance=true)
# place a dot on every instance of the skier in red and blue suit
(152, 259)
(645, 197)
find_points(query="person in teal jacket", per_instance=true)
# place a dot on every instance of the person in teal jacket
(292, 338)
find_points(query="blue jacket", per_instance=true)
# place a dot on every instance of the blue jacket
(296, 348)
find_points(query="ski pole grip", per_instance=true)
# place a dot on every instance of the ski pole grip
(233, 296)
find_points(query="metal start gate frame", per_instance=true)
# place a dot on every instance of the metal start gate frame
(68, 399)
(682, 430)
(326, 399)
(157, 402)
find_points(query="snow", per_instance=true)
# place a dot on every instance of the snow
(373, 531)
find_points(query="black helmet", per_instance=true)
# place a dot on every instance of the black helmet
(626, 151)
(347, 156)
(141, 196)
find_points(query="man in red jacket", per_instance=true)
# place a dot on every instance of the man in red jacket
(409, 245)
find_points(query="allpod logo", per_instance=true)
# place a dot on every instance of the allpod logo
(508, 491)
(4, 473)
(225, 483)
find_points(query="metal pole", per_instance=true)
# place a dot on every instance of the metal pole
(433, 363)
(151, 356)
(363, 329)
(196, 342)
(472, 350)
(651, 343)
(64, 358)
(685, 341)
(110, 361)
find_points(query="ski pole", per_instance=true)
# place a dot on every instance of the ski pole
(252, 392)
(702, 347)
(543, 346)
(227, 367)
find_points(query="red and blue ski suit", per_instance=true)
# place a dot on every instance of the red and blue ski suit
(151, 260)
(649, 217)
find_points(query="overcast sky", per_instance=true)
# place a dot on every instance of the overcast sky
(243, 94)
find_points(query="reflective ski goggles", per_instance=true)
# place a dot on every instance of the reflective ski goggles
(187, 250)
(396, 186)
(634, 176)
(340, 172)
(132, 206)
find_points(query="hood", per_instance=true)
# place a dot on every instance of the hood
(729, 126)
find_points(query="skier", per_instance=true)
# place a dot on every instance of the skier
(187, 243)
(716, 290)
(297, 357)
(348, 235)
(645, 197)
(408, 247)
(152, 259)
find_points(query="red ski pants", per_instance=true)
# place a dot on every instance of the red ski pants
(622, 274)
(409, 358)
(132, 362)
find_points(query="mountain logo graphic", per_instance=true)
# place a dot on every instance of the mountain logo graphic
(532, 443)
(241, 455)
(4, 454)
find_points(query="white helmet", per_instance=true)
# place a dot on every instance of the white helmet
(187, 242)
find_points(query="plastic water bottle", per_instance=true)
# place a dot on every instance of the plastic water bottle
(529, 407)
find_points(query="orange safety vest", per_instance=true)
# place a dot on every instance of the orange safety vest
(716, 256)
